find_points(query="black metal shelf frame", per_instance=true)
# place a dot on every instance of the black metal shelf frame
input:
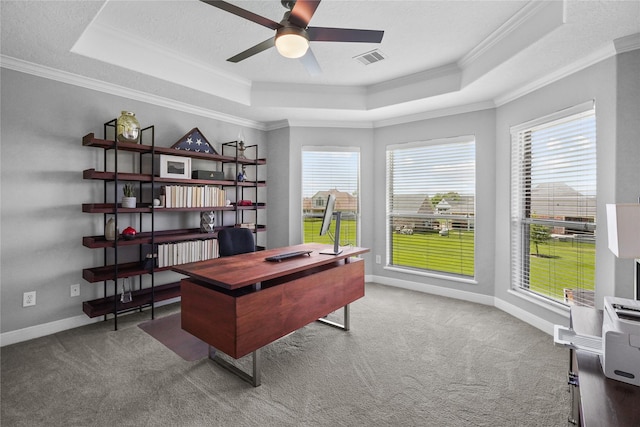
(147, 135)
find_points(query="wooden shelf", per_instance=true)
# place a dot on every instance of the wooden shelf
(102, 306)
(250, 184)
(163, 236)
(90, 140)
(253, 206)
(107, 273)
(109, 208)
(111, 176)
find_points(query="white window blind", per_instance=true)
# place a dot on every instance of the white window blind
(331, 170)
(431, 205)
(553, 211)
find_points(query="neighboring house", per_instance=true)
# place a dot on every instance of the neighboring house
(411, 208)
(315, 205)
(559, 201)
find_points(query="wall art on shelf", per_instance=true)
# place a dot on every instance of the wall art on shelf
(207, 221)
(194, 140)
(175, 167)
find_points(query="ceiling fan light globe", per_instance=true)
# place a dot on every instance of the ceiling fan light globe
(291, 44)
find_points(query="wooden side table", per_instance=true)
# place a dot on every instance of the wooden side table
(599, 401)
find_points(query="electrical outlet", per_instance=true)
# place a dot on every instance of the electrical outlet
(378, 259)
(29, 299)
(75, 290)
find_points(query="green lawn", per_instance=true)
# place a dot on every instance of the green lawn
(560, 264)
(431, 251)
(312, 231)
(563, 265)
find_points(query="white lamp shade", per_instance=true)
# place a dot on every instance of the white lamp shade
(623, 224)
(292, 45)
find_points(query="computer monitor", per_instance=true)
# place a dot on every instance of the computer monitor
(326, 222)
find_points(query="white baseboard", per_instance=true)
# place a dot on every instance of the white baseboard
(37, 331)
(525, 316)
(511, 309)
(435, 290)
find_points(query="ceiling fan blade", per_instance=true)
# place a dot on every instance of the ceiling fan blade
(324, 34)
(243, 13)
(302, 12)
(253, 50)
(311, 63)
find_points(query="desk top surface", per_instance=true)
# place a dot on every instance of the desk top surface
(605, 402)
(246, 269)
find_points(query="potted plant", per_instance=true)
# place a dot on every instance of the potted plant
(129, 198)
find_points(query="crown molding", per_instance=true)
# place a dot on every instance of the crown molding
(505, 30)
(628, 43)
(529, 25)
(331, 124)
(415, 78)
(105, 43)
(26, 67)
(280, 124)
(597, 56)
(432, 114)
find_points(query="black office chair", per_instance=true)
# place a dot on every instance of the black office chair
(233, 241)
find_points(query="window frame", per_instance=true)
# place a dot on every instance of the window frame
(333, 149)
(389, 215)
(521, 216)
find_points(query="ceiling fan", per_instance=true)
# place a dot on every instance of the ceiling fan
(293, 33)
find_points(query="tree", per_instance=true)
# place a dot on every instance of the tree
(540, 234)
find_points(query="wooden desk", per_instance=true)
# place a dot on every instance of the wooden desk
(602, 401)
(241, 303)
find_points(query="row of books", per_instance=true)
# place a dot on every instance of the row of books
(184, 252)
(193, 196)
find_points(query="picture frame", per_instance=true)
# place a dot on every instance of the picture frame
(175, 167)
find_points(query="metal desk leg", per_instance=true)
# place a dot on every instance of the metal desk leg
(347, 323)
(255, 378)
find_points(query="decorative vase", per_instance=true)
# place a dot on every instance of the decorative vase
(207, 221)
(110, 229)
(127, 127)
(128, 202)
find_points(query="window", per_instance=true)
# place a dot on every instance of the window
(331, 170)
(431, 206)
(553, 206)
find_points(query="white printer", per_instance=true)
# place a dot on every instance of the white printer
(619, 346)
(621, 340)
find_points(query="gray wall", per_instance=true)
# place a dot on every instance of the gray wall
(285, 165)
(42, 159)
(481, 124)
(627, 152)
(278, 212)
(598, 82)
(42, 190)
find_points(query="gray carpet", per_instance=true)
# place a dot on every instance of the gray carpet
(411, 359)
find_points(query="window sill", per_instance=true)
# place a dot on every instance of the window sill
(433, 275)
(545, 303)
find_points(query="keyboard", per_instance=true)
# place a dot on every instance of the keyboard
(287, 255)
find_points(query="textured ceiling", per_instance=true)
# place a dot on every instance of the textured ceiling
(440, 55)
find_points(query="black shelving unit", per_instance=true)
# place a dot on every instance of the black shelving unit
(115, 266)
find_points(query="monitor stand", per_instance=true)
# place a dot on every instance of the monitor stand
(336, 240)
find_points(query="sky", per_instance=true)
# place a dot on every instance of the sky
(326, 170)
